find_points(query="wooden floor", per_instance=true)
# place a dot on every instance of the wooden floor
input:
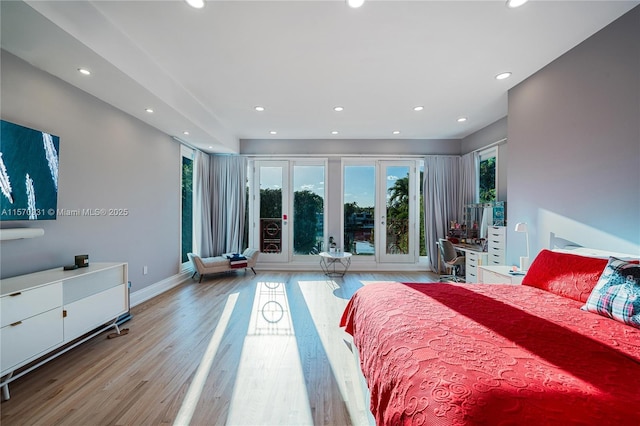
(237, 349)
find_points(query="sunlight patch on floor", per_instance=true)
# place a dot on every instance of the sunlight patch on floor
(195, 389)
(270, 385)
(320, 300)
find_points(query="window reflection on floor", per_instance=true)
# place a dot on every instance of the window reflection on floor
(270, 314)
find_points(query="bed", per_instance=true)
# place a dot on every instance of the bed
(501, 354)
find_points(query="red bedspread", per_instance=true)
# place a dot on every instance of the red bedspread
(478, 354)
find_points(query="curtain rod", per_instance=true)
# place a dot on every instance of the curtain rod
(491, 145)
(177, 139)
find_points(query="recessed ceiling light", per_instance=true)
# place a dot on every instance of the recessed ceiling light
(149, 110)
(338, 108)
(396, 132)
(186, 133)
(462, 119)
(210, 147)
(259, 108)
(515, 3)
(273, 132)
(84, 71)
(355, 3)
(503, 75)
(197, 4)
(335, 132)
(418, 108)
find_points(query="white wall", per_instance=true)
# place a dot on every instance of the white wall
(108, 159)
(574, 146)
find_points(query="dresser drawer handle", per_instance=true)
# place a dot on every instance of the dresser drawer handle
(16, 323)
(15, 294)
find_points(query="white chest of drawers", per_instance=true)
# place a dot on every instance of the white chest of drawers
(496, 246)
(43, 311)
(473, 259)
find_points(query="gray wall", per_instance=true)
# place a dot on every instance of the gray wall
(574, 146)
(328, 147)
(484, 137)
(108, 159)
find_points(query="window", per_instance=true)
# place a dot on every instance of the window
(487, 176)
(423, 247)
(187, 203)
(308, 209)
(359, 209)
(380, 209)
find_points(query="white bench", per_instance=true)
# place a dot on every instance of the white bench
(216, 264)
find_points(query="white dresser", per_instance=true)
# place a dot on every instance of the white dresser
(497, 246)
(495, 254)
(473, 259)
(43, 311)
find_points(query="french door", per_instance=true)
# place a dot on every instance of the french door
(397, 211)
(270, 210)
(380, 210)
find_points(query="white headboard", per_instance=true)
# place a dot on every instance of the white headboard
(591, 252)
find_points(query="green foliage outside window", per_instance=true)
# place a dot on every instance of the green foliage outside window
(307, 208)
(187, 207)
(398, 216)
(488, 180)
(270, 203)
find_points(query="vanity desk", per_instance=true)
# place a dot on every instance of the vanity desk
(475, 256)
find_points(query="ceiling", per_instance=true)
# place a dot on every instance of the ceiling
(205, 70)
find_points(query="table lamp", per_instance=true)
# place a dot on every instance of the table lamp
(524, 261)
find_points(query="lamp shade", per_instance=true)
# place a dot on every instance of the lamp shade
(521, 227)
(515, 3)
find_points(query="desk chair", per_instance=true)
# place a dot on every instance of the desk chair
(452, 261)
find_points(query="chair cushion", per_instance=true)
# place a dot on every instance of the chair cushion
(215, 261)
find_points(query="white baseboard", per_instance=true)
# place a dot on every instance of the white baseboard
(167, 284)
(355, 266)
(153, 290)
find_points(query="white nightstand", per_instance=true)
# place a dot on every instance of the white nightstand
(497, 274)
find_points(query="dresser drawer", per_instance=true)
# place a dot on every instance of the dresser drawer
(25, 304)
(497, 274)
(495, 242)
(497, 232)
(24, 340)
(496, 259)
(490, 277)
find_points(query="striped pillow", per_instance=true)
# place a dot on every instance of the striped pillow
(617, 293)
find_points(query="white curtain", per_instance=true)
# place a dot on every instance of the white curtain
(442, 200)
(202, 205)
(469, 179)
(228, 202)
(219, 198)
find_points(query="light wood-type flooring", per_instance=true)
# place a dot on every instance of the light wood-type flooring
(236, 349)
